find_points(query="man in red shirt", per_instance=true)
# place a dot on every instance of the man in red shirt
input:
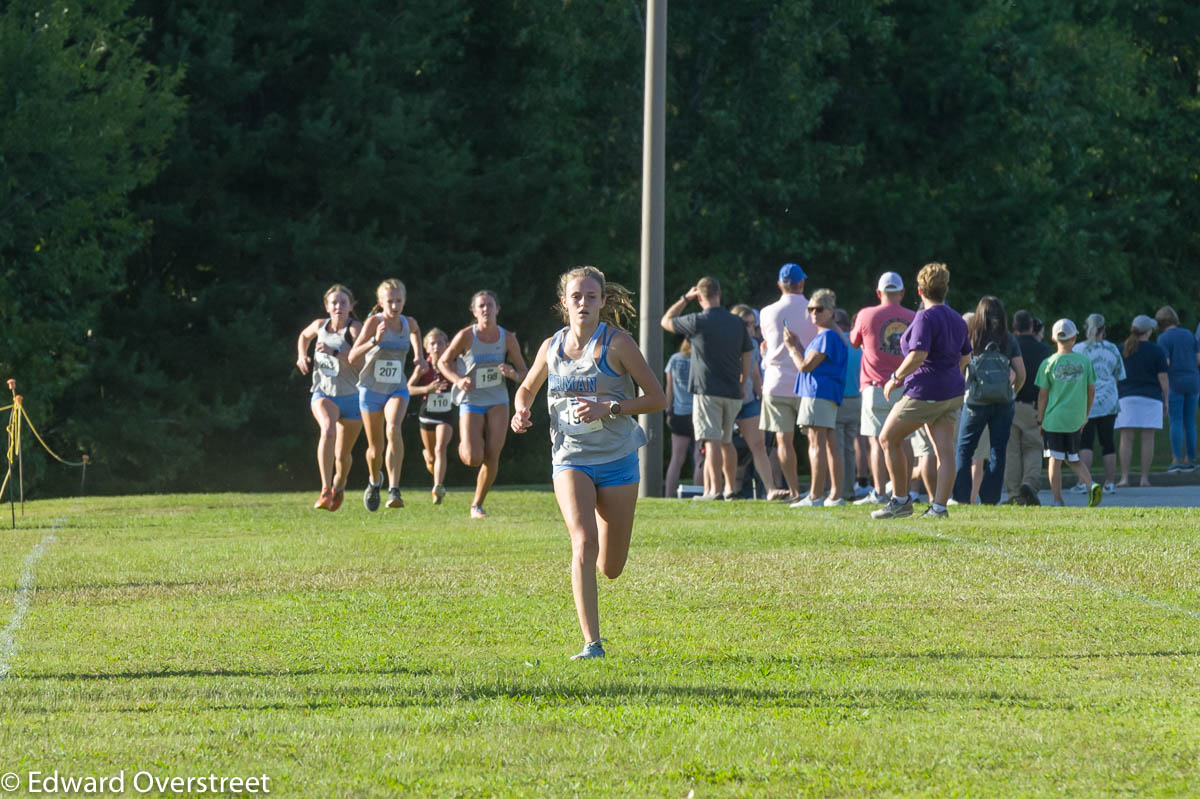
(877, 331)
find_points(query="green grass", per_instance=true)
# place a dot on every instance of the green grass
(754, 650)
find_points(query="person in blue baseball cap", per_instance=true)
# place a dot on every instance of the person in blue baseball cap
(780, 404)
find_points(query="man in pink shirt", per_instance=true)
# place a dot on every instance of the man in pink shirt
(779, 402)
(877, 331)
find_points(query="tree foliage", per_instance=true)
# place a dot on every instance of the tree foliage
(1046, 151)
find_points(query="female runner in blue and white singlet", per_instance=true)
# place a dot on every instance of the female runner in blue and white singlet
(592, 366)
(334, 402)
(384, 344)
(478, 361)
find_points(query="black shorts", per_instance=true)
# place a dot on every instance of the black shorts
(1101, 427)
(681, 425)
(431, 420)
(1064, 446)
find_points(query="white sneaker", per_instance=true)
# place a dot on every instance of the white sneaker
(953, 501)
(1079, 488)
(1109, 488)
(862, 491)
(871, 499)
(809, 502)
(834, 503)
(706, 497)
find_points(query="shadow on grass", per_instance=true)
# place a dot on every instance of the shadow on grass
(168, 674)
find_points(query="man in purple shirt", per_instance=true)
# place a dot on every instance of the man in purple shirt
(936, 350)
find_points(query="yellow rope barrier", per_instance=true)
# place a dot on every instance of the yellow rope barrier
(45, 446)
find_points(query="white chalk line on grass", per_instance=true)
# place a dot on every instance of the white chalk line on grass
(22, 598)
(1063, 576)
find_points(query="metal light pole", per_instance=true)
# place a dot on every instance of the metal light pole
(654, 128)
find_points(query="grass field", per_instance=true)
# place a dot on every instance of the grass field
(754, 650)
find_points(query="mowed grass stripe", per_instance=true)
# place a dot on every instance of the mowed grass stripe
(755, 650)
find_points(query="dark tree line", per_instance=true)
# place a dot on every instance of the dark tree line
(182, 181)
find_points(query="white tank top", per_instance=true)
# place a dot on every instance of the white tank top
(383, 368)
(329, 375)
(588, 443)
(482, 361)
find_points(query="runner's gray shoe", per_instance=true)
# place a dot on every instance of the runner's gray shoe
(371, 498)
(591, 650)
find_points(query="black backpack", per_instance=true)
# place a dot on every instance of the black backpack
(988, 377)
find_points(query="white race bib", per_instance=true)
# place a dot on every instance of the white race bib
(328, 364)
(438, 403)
(488, 376)
(569, 422)
(389, 371)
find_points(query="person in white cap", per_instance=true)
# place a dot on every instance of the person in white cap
(780, 404)
(877, 331)
(1066, 385)
(1143, 395)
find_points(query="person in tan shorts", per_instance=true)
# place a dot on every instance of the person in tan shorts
(936, 351)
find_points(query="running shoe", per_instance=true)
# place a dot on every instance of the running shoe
(933, 513)
(1175, 467)
(1094, 494)
(862, 491)
(729, 497)
(371, 497)
(1028, 495)
(324, 500)
(439, 491)
(338, 496)
(705, 497)
(1188, 467)
(808, 502)
(477, 512)
(591, 650)
(872, 498)
(394, 498)
(895, 509)
(1109, 488)
(834, 503)
(913, 496)
(1080, 488)
(952, 501)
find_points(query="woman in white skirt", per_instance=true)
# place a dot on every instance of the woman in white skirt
(1143, 395)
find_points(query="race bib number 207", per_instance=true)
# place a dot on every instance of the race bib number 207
(389, 371)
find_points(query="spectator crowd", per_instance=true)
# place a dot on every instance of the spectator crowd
(890, 399)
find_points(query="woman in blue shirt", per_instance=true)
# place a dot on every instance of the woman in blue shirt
(1183, 387)
(820, 386)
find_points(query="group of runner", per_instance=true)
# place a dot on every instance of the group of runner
(360, 379)
(594, 369)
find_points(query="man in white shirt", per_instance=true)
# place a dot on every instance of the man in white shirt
(780, 403)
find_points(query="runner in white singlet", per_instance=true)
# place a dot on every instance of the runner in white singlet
(334, 401)
(478, 361)
(382, 348)
(592, 367)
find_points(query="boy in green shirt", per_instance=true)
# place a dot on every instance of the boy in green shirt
(1066, 384)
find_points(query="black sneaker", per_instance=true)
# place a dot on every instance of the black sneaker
(895, 509)
(371, 498)
(1028, 495)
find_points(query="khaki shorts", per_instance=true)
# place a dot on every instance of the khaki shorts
(875, 409)
(712, 417)
(817, 413)
(779, 413)
(909, 410)
(921, 443)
